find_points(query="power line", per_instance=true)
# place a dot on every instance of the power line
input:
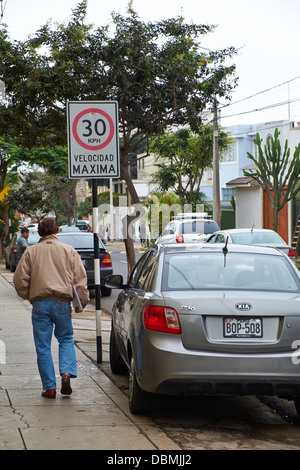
(259, 93)
(264, 108)
(2, 9)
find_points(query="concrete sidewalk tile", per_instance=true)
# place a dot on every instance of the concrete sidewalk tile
(86, 438)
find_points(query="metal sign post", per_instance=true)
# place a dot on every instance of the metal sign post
(93, 153)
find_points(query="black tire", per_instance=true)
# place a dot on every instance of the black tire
(117, 363)
(139, 401)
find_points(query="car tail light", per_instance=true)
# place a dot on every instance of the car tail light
(106, 261)
(179, 238)
(15, 249)
(162, 319)
(291, 253)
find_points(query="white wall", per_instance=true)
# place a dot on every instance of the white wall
(249, 207)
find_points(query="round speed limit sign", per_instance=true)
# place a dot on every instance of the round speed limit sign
(93, 139)
(93, 129)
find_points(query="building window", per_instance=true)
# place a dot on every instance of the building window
(228, 193)
(141, 164)
(231, 154)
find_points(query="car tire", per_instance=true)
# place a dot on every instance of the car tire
(117, 363)
(139, 400)
(105, 291)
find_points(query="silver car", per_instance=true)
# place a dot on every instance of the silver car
(208, 319)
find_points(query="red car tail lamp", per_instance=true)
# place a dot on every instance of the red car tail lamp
(179, 238)
(106, 261)
(162, 319)
(291, 253)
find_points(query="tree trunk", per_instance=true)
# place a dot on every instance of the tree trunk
(128, 238)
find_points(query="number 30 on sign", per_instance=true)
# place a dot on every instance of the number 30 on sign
(93, 141)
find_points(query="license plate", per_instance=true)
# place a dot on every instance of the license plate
(243, 327)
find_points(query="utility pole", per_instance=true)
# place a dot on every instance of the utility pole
(216, 176)
(1, 10)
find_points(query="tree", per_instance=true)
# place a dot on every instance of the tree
(11, 157)
(276, 172)
(31, 198)
(185, 158)
(155, 70)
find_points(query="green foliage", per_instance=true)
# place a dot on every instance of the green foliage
(31, 199)
(85, 208)
(182, 158)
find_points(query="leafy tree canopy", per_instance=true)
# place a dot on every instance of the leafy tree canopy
(156, 71)
(182, 158)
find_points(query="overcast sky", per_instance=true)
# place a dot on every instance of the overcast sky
(267, 31)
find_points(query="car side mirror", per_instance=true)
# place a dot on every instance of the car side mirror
(114, 281)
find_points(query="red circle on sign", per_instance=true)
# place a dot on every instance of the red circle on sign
(83, 144)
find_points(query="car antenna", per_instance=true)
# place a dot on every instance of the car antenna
(225, 251)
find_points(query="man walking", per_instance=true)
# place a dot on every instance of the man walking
(46, 276)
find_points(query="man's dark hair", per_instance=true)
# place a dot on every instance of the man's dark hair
(24, 230)
(47, 226)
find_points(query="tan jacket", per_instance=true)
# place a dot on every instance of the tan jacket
(48, 271)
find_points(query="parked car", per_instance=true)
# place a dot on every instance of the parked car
(69, 228)
(83, 243)
(204, 319)
(83, 225)
(187, 230)
(11, 249)
(247, 236)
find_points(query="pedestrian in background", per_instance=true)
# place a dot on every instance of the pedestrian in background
(22, 242)
(46, 276)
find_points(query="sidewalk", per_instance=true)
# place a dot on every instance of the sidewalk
(95, 417)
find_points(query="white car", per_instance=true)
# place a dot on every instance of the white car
(188, 230)
(248, 236)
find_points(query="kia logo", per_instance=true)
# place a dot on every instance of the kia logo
(243, 306)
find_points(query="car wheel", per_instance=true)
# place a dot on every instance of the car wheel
(117, 364)
(105, 291)
(139, 401)
(7, 266)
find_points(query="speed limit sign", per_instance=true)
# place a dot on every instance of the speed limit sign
(93, 141)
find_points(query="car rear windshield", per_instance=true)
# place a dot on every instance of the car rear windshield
(198, 226)
(238, 271)
(80, 242)
(255, 238)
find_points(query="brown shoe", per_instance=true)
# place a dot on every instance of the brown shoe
(51, 393)
(65, 385)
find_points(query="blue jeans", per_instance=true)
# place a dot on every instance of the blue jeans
(47, 314)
